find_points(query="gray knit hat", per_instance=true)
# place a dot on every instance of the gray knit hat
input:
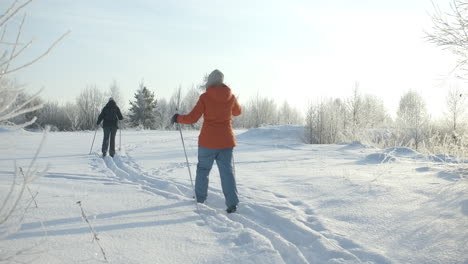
(216, 77)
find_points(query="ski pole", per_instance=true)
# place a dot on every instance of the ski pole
(186, 157)
(93, 140)
(120, 137)
(185, 151)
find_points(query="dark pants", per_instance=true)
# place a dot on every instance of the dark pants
(109, 132)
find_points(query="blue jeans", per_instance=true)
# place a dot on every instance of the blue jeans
(223, 158)
(109, 133)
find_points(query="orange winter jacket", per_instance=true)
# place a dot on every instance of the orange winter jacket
(217, 105)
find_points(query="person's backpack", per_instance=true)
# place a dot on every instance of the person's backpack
(110, 113)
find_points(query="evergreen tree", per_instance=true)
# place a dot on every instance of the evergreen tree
(144, 111)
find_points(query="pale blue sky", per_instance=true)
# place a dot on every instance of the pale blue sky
(294, 50)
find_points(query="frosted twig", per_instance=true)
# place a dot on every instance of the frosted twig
(6, 114)
(22, 125)
(95, 236)
(29, 190)
(9, 96)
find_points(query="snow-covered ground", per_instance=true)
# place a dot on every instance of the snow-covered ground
(344, 203)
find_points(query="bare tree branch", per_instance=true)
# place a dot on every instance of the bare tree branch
(450, 30)
(13, 13)
(14, 47)
(9, 9)
(39, 57)
(27, 45)
(3, 33)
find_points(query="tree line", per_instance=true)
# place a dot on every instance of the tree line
(364, 118)
(145, 110)
(360, 117)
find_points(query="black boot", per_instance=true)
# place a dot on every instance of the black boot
(231, 209)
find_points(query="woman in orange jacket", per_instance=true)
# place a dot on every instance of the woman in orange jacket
(216, 140)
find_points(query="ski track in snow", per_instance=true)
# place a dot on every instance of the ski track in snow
(298, 239)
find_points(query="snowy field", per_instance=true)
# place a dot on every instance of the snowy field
(344, 203)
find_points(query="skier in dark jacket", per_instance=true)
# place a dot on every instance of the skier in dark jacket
(110, 114)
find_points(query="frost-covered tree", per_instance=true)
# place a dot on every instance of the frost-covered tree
(449, 31)
(412, 119)
(342, 111)
(189, 102)
(51, 115)
(115, 93)
(358, 118)
(71, 110)
(13, 206)
(360, 114)
(143, 110)
(89, 103)
(260, 111)
(288, 115)
(163, 107)
(315, 123)
(324, 122)
(453, 135)
(374, 114)
(456, 108)
(57, 117)
(202, 86)
(173, 107)
(356, 110)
